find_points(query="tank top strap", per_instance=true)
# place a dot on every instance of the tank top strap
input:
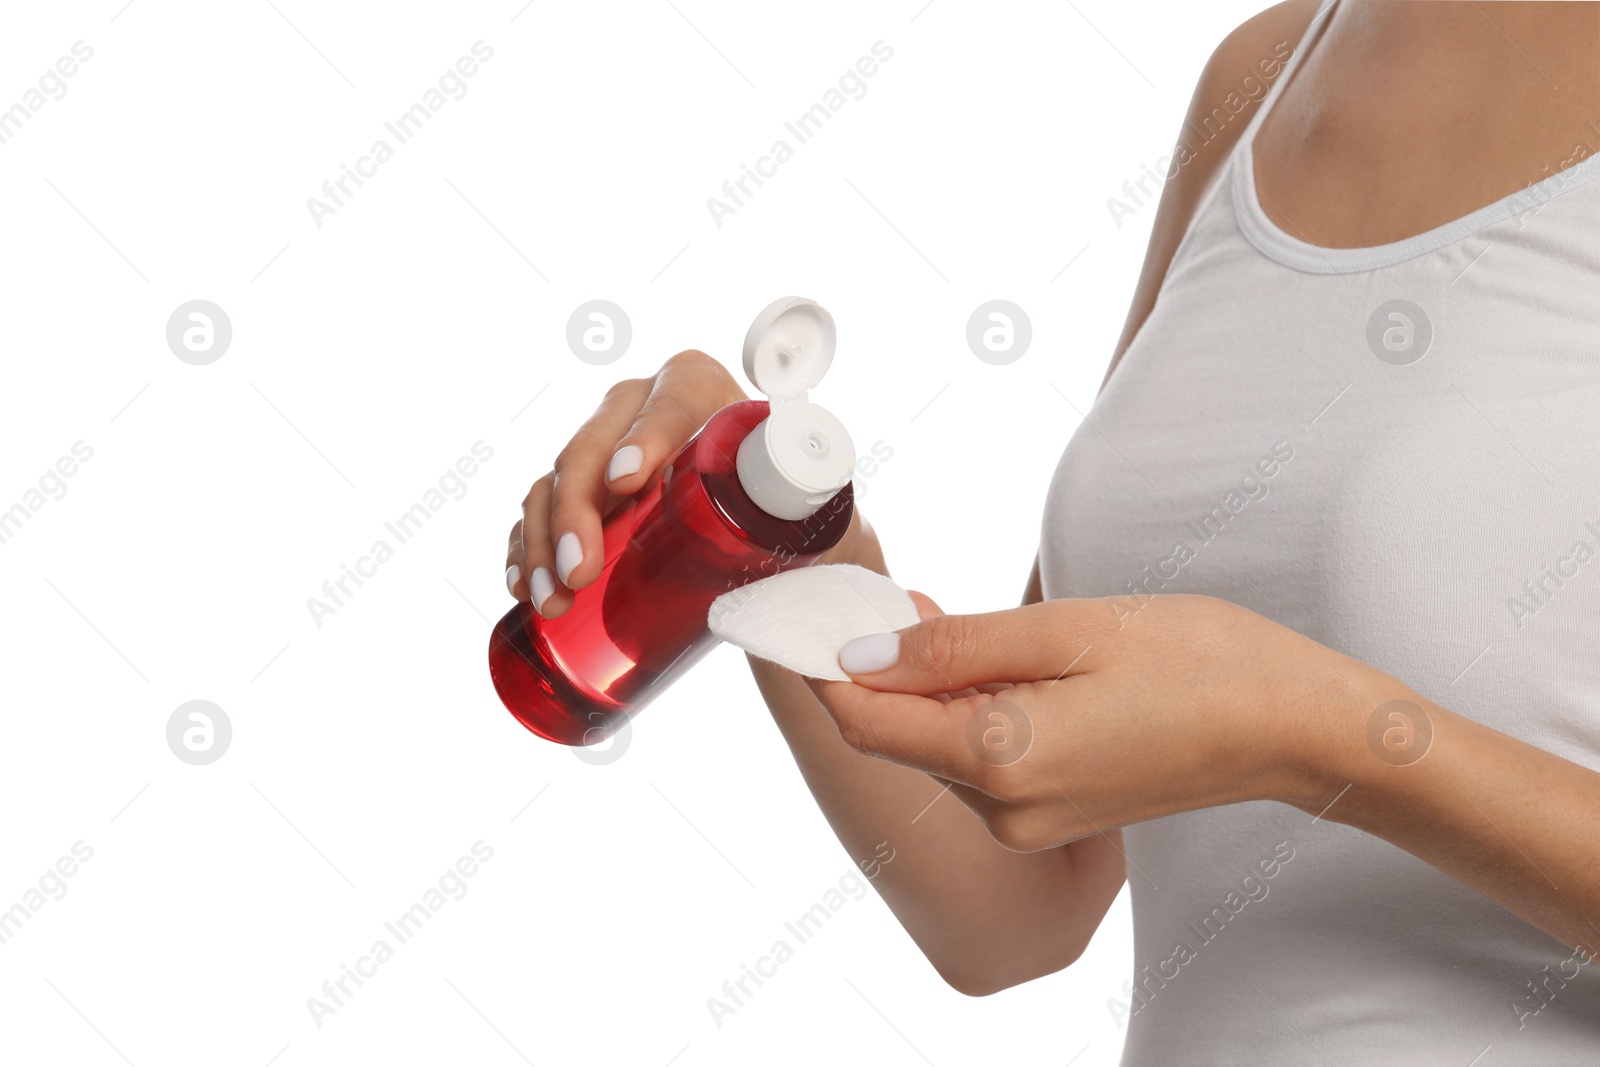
(1296, 60)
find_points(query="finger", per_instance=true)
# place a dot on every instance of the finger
(688, 390)
(950, 652)
(982, 804)
(515, 555)
(1020, 827)
(922, 732)
(1025, 827)
(926, 608)
(547, 598)
(579, 494)
(929, 610)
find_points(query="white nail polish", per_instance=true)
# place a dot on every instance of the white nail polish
(626, 461)
(513, 572)
(569, 553)
(867, 655)
(540, 586)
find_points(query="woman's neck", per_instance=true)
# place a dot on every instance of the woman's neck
(1411, 113)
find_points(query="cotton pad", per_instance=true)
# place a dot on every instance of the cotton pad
(800, 619)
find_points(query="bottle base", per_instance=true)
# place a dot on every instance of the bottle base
(538, 693)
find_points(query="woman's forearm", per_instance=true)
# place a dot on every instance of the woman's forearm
(1517, 824)
(986, 917)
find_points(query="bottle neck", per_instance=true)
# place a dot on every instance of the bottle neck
(713, 459)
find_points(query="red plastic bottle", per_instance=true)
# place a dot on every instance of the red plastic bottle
(677, 545)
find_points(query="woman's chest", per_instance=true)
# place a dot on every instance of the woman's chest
(1434, 514)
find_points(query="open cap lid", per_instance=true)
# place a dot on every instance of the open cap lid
(789, 347)
(800, 455)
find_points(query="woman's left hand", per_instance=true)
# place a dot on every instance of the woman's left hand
(1064, 718)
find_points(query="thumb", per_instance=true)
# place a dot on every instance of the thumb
(929, 610)
(944, 653)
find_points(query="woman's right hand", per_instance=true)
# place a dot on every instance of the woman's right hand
(641, 424)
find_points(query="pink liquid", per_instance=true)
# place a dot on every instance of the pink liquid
(669, 552)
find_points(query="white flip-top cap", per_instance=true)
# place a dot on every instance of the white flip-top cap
(800, 455)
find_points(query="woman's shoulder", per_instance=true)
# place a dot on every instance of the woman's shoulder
(1263, 33)
(1232, 84)
(1244, 65)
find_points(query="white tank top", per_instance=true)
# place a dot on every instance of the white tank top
(1392, 450)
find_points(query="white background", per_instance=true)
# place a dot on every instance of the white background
(427, 314)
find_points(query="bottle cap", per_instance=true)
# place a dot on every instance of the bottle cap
(800, 455)
(789, 347)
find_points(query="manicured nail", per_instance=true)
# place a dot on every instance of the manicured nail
(869, 654)
(513, 572)
(625, 462)
(569, 553)
(540, 586)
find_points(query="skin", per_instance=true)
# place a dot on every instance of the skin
(1433, 104)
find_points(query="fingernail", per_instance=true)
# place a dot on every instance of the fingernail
(513, 572)
(626, 461)
(540, 586)
(869, 654)
(569, 553)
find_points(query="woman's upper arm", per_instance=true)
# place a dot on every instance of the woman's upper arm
(1263, 39)
(1034, 592)
(1097, 864)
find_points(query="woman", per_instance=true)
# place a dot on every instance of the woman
(1352, 406)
